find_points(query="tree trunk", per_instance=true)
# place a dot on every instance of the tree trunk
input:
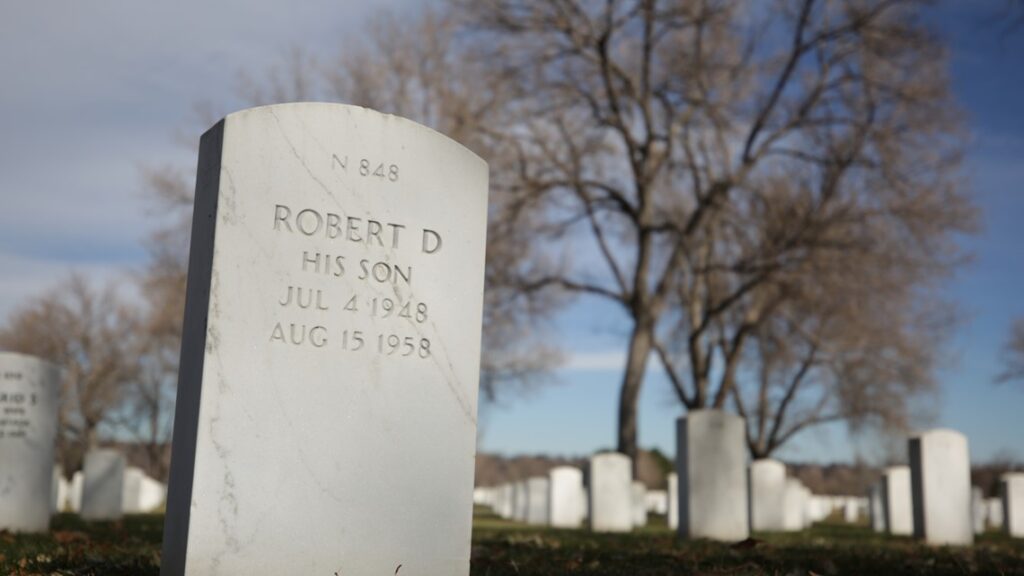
(636, 366)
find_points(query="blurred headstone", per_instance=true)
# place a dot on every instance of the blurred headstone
(29, 397)
(767, 487)
(75, 492)
(978, 510)
(673, 501)
(897, 502)
(103, 485)
(994, 513)
(131, 490)
(611, 500)
(1011, 487)
(638, 495)
(793, 505)
(327, 400)
(537, 500)
(566, 497)
(941, 476)
(711, 460)
(876, 508)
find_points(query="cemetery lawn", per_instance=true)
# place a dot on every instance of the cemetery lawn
(500, 548)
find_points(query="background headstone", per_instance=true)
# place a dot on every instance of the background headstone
(75, 492)
(941, 476)
(566, 498)
(537, 489)
(520, 501)
(851, 510)
(611, 501)
(152, 495)
(793, 506)
(326, 411)
(767, 487)
(876, 508)
(131, 490)
(673, 501)
(978, 510)
(103, 485)
(897, 503)
(994, 513)
(1012, 494)
(638, 493)
(29, 394)
(711, 461)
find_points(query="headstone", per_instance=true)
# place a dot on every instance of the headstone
(896, 501)
(1012, 494)
(585, 500)
(152, 495)
(673, 501)
(102, 487)
(657, 501)
(75, 493)
(876, 508)
(994, 513)
(611, 502)
(941, 476)
(56, 502)
(638, 493)
(131, 490)
(711, 461)
(29, 393)
(851, 511)
(767, 487)
(566, 497)
(326, 413)
(978, 510)
(506, 504)
(793, 505)
(537, 500)
(520, 502)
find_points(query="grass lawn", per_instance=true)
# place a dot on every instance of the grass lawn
(132, 547)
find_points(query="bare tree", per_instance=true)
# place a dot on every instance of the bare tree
(1013, 354)
(690, 161)
(90, 333)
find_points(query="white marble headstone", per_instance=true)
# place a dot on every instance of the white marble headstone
(851, 510)
(767, 489)
(537, 489)
(611, 500)
(566, 496)
(994, 513)
(131, 490)
(711, 460)
(75, 492)
(1011, 487)
(978, 510)
(876, 508)
(638, 493)
(673, 500)
(520, 501)
(941, 479)
(793, 497)
(326, 413)
(897, 503)
(103, 485)
(29, 392)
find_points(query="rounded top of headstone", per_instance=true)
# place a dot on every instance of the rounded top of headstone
(356, 114)
(712, 417)
(6, 355)
(938, 433)
(896, 469)
(610, 457)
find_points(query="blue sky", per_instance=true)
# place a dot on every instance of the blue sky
(95, 90)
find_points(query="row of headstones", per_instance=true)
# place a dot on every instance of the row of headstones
(33, 488)
(899, 506)
(719, 498)
(92, 491)
(561, 500)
